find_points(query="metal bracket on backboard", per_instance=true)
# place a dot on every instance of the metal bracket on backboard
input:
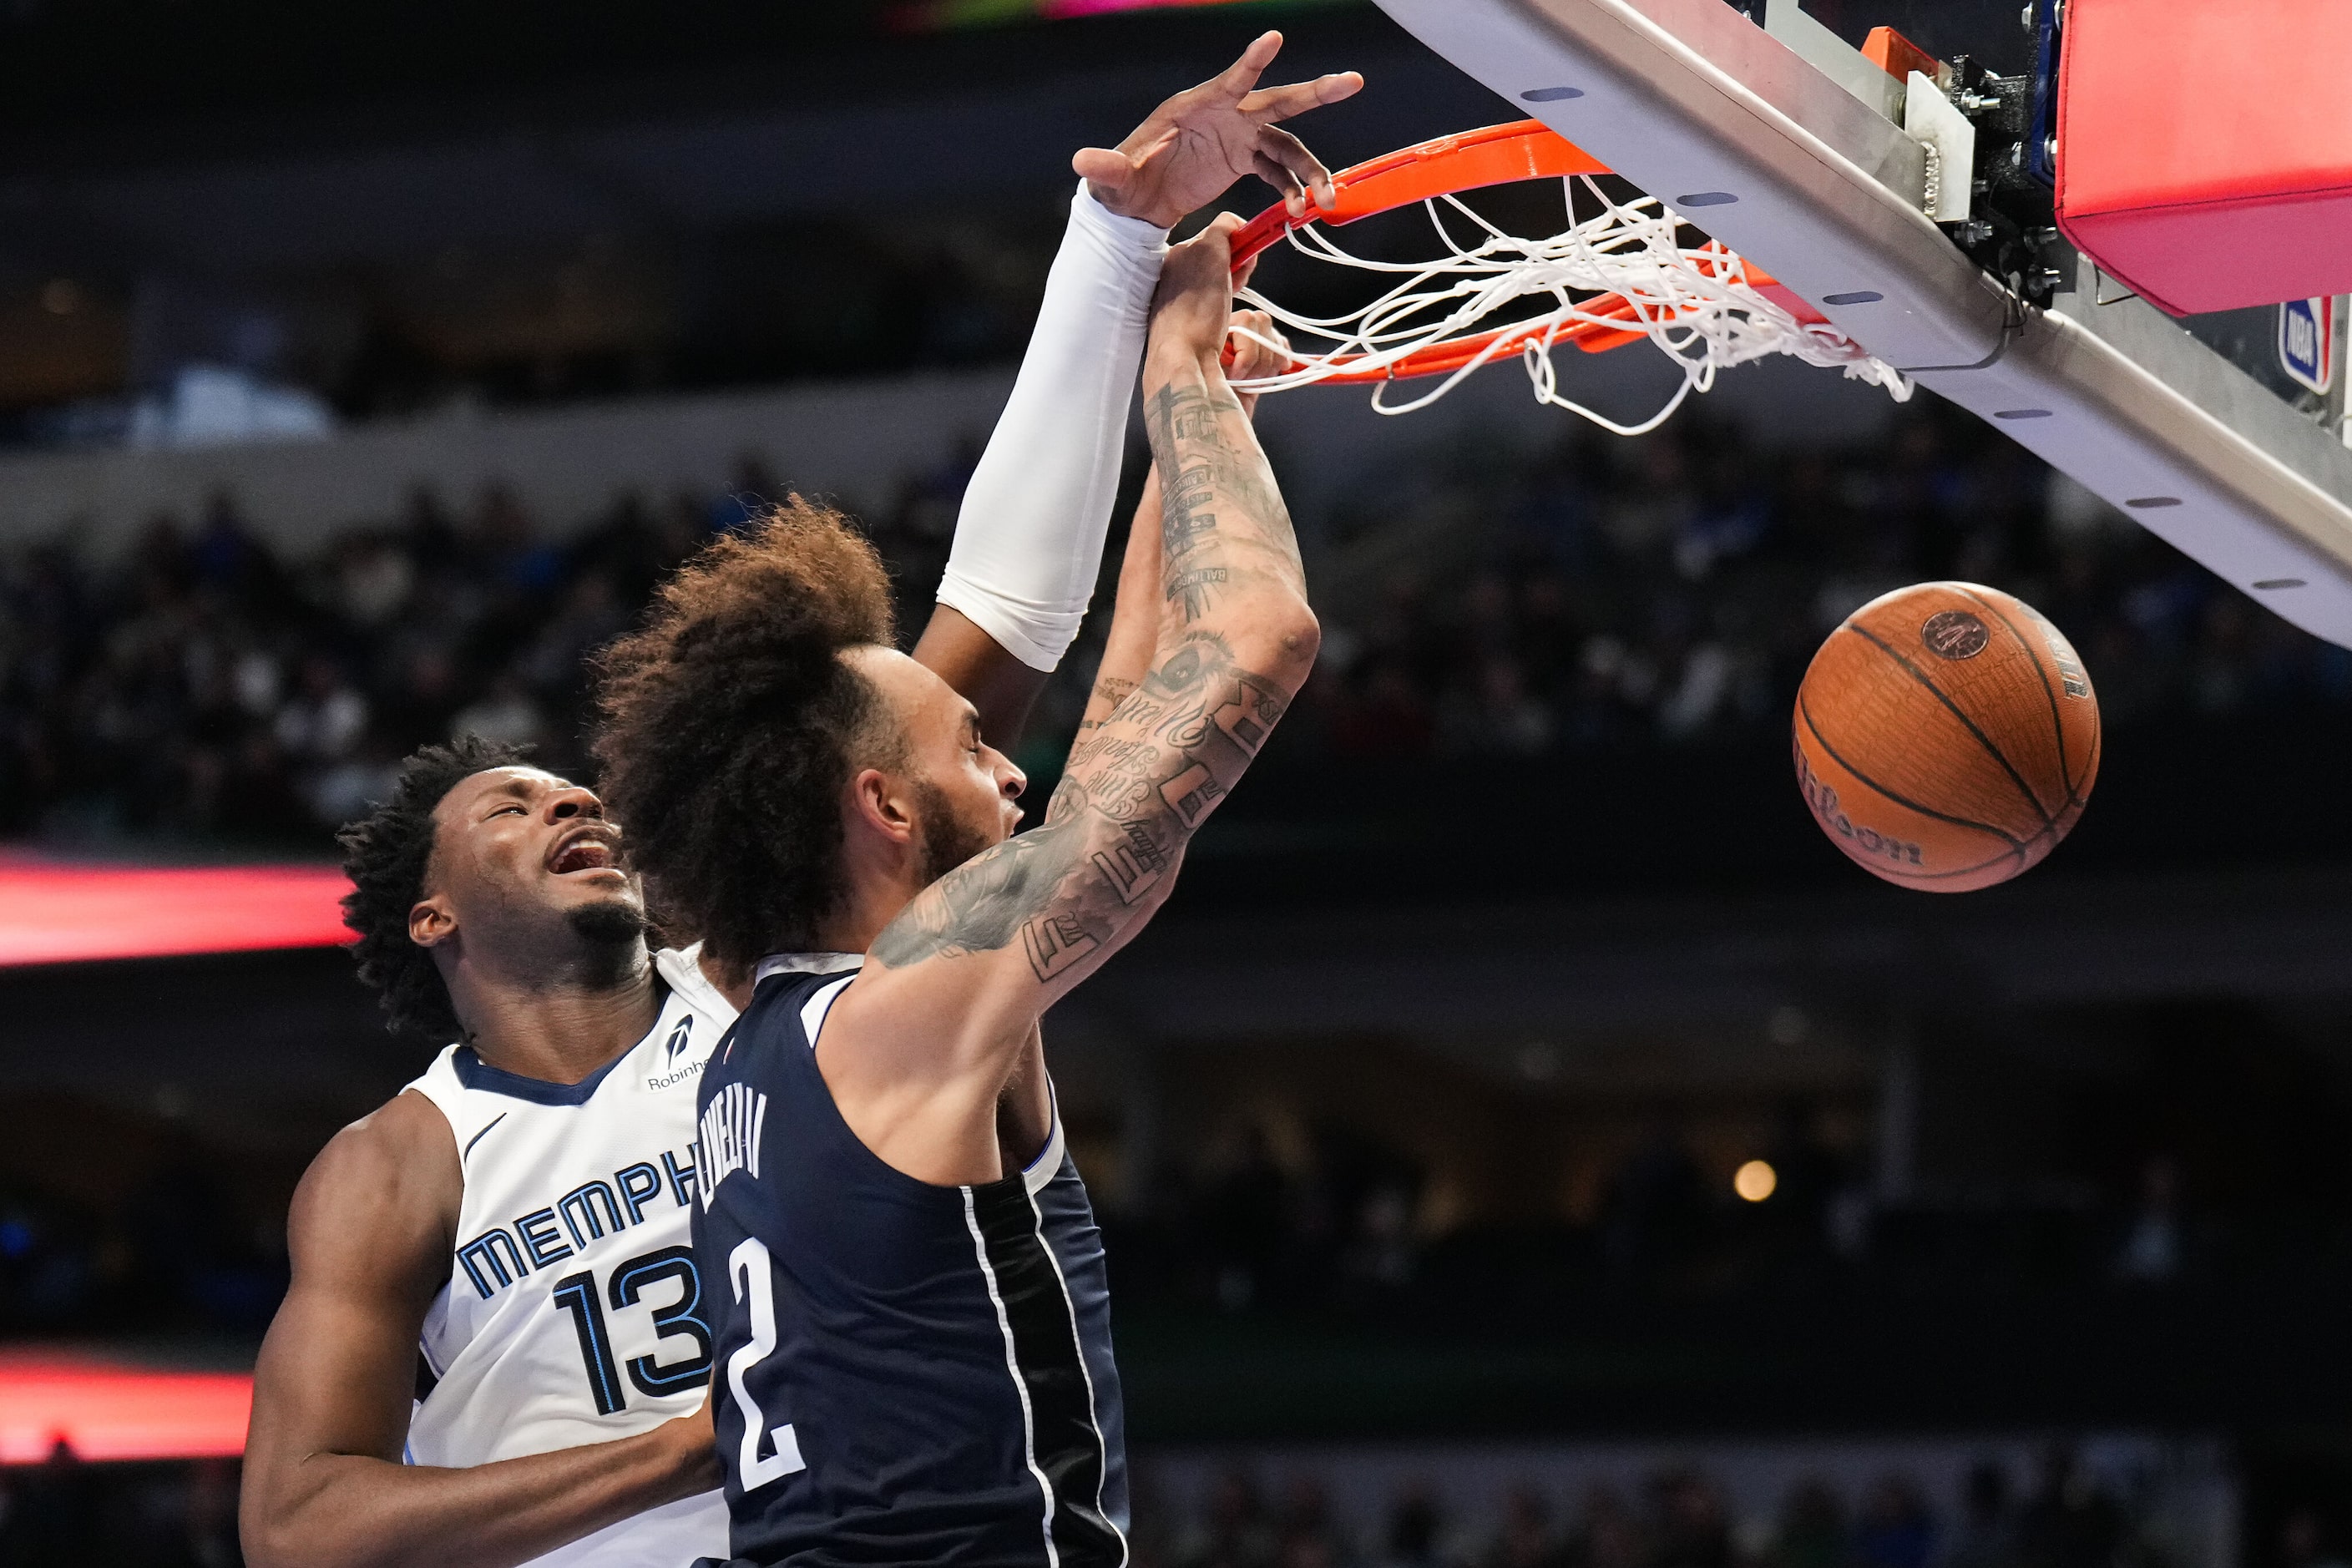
(1833, 58)
(1917, 105)
(1950, 138)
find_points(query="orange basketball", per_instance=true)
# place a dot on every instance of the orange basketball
(1947, 737)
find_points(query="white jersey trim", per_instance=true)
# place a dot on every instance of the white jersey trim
(1012, 1366)
(806, 963)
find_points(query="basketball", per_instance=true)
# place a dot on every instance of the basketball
(1947, 737)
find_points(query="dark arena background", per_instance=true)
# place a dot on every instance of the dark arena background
(1524, 1140)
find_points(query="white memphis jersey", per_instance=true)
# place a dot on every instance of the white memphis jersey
(574, 1313)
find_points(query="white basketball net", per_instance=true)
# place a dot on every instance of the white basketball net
(1694, 302)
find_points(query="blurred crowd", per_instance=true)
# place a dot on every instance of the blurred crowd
(188, 1237)
(2068, 1516)
(119, 1516)
(1654, 591)
(203, 686)
(1672, 589)
(1343, 1227)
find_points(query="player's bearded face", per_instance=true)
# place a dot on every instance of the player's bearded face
(947, 838)
(962, 793)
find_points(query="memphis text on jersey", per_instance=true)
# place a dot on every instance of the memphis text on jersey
(568, 1223)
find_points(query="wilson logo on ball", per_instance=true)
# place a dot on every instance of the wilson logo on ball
(1954, 633)
(1954, 761)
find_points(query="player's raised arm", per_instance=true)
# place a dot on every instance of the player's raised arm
(1135, 619)
(974, 959)
(1029, 537)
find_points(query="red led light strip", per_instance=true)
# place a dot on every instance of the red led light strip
(57, 911)
(101, 1410)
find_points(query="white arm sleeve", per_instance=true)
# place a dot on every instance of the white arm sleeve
(1029, 540)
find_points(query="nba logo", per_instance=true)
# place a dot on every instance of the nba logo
(2306, 344)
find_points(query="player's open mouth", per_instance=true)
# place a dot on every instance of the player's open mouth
(585, 853)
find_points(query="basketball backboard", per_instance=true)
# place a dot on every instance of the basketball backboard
(1911, 208)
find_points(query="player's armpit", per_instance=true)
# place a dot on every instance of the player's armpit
(325, 1485)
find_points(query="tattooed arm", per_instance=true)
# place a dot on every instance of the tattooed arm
(918, 1046)
(1135, 619)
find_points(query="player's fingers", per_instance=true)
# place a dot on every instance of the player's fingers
(1237, 78)
(1102, 167)
(1251, 338)
(1261, 323)
(1244, 272)
(1281, 102)
(1294, 193)
(1301, 165)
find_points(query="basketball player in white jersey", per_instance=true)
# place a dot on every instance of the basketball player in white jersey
(495, 1346)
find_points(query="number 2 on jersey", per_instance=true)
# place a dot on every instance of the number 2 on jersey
(747, 1265)
(576, 1294)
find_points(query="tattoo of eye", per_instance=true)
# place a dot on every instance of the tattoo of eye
(1182, 673)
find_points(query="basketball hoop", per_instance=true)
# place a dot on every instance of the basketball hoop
(1614, 279)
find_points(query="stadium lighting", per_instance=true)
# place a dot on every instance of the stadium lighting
(1755, 1180)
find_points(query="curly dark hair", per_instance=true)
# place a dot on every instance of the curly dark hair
(385, 853)
(729, 725)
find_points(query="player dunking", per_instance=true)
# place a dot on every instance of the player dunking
(912, 1320)
(517, 1219)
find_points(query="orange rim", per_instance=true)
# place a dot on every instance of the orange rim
(1467, 161)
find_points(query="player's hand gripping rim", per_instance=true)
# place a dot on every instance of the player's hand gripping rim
(1254, 347)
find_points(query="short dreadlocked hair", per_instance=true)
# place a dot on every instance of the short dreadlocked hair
(730, 725)
(385, 853)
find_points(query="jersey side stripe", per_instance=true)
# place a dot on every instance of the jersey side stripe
(1094, 1418)
(1013, 1365)
(1056, 1388)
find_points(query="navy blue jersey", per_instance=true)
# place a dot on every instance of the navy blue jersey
(907, 1373)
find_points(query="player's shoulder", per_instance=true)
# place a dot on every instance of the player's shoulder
(401, 1131)
(400, 1157)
